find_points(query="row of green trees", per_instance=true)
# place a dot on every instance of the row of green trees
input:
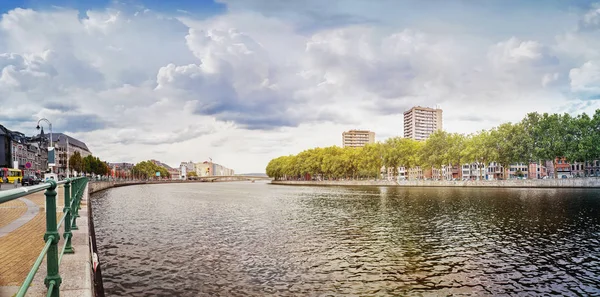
(536, 137)
(147, 169)
(89, 164)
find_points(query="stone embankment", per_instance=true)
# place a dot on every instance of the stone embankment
(96, 186)
(589, 182)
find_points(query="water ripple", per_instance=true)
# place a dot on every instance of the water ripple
(254, 239)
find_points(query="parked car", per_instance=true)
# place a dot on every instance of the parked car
(29, 180)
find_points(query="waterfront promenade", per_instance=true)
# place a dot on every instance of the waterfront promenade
(588, 182)
(22, 227)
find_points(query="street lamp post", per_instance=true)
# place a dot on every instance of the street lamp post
(50, 126)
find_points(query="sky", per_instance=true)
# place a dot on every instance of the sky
(245, 81)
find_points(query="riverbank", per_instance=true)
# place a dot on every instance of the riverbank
(96, 186)
(589, 182)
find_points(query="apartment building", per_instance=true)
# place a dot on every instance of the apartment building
(592, 168)
(474, 171)
(518, 170)
(186, 167)
(450, 172)
(495, 171)
(578, 169)
(402, 173)
(537, 171)
(416, 173)
(420, 122)
(65, 147)
(563, 168)
(29, 154)
(212, 169)
(357, 138)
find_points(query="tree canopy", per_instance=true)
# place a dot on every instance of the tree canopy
(76, 162)
(89, 164)
(535, 138)
(147, 169)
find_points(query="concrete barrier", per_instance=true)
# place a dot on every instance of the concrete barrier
(588, 182)
(99, 186)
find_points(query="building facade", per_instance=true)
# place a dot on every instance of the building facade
(592, 168)
(207, 168)
(420, 122)
(357, 138)
(120, 170)
(65, 146)
(495, 171)
(537, 171)
(563, 168)
(518, 170)
(29, 154)
(186, 167)
(5, 148)
(474, 171)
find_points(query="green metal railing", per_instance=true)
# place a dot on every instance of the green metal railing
(74, 189)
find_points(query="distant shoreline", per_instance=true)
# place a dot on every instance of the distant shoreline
(588, 182)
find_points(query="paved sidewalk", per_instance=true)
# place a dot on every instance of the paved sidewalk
(20, 247)
(4, 187)
(10, 211)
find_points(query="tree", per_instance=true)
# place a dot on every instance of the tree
(391, 154)
(76, 162)
(147, 169)
(435, 151)
(536, 137)
(192, 174)
(552, 138)
(480, 148)
(371, 160)
(456, 148)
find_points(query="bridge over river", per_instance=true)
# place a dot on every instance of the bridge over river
(229, 178)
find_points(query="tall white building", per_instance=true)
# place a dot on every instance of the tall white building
(357, 138)
(420, 122)
(186, 167)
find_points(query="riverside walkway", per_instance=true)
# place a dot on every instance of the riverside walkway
(22, 228)
(23, 224)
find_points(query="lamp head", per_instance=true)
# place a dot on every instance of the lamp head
(37, 127)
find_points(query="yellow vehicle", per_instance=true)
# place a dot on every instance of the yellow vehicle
(11, 176)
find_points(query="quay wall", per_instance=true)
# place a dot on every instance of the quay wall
(590, 182)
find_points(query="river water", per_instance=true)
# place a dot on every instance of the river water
(257, 239)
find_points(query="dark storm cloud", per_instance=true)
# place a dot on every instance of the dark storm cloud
(61, 106)
(260, 110)
(80, 123)
(307, 16)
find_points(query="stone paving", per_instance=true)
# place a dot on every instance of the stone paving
(20, 247)
(10, 211)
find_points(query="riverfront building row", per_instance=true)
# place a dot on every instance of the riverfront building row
(30, 153)
(495, 171)
(206, 168)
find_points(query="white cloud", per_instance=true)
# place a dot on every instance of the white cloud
(591, 20)
(261, 81)
(586, 79)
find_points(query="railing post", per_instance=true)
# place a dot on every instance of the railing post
(79, 195)
(67, 213)
(74, 204)
(53, 279)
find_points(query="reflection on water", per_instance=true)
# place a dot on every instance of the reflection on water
(256, 239)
